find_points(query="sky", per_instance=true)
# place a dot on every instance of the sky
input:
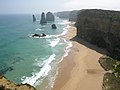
(38, 6)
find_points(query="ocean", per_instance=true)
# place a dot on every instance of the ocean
(24, 59)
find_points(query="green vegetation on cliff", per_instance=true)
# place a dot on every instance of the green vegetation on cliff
(111, 80)
(6, 84)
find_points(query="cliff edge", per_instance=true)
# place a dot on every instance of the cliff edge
(102, 28)
(8, 85)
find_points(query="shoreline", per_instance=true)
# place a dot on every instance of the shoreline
(77, 71)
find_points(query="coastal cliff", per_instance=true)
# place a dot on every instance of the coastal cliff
(102, 28)
(8, 85)
(63, 14)
(71, 15)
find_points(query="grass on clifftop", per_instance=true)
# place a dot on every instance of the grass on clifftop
(111, 80)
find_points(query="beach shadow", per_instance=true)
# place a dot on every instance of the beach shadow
(89, 45)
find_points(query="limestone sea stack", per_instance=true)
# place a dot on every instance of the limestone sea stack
(54, 26)
(43, 19)
(34, 18)
(50, 16)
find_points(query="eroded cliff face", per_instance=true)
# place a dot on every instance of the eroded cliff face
(102, 28)
(8, 85)
(63, 14)
(71, 15)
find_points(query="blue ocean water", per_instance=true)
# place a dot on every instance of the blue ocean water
(24, 59)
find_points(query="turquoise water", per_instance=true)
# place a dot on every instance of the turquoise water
(24, 59)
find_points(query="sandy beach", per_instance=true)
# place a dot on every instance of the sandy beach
(80, 70)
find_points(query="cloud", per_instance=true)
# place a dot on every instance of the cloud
(101, 4)
(37, 6)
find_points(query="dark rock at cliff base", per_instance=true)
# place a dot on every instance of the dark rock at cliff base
(43, 19)
(39, 35)
(54, 26)
(102, 28)
(34, 18)
(50, 16)
(6, 84)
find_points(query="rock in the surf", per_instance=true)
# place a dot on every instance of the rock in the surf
(54, 26)
(39, 35)
(43, 35)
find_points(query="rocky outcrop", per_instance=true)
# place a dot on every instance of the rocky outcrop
(54, 26)
(39, 35)
(8, 85)
(102, 28)
(34, 19)
(50, 16)
(43, 19)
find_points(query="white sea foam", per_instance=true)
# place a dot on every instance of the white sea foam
(68, 26)
(54, 42)
(67, 49)
(47, 36)
(43, 72)
(64, 32)
(50, 36)
(69, 45)
(38, 29)
(65, 22)
(40, 62)
(34, 79)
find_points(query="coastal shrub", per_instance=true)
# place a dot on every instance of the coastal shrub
(2, 87)
(107, 63)
(117, 70)
(110, 82)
